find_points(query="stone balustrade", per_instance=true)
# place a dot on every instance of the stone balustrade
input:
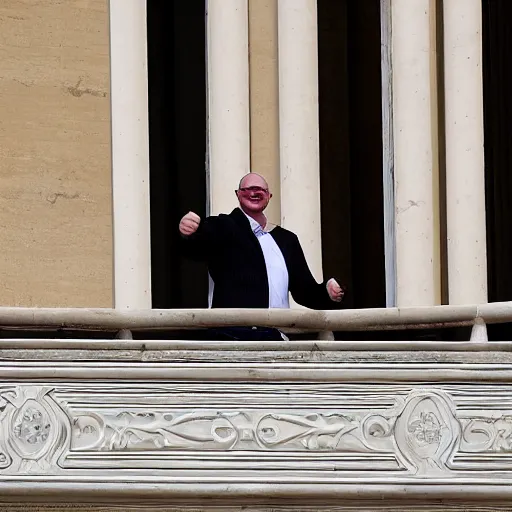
(116, 424)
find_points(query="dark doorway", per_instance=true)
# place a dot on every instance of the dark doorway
(497, 55)
(350, 93)
(177, 144)
(497, 82)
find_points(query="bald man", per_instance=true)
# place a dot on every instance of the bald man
(252, 263)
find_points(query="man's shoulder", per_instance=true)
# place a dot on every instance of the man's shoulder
(225, 221)
(284, 234)
(222, 217)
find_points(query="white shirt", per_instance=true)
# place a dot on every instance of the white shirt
(277, 271)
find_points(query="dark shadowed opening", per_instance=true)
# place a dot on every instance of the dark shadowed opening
(497, 74)
(177, 131)
(351, 147)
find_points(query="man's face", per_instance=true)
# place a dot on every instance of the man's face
(253, 194)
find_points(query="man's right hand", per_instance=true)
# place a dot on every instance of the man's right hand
(189, 224)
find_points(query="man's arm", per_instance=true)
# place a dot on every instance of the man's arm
(304, 288)
(199, 237)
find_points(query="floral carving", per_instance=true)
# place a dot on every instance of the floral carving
(391, 431)
(420, 428)
(427, 428)
(32, 426)
(427, 432)
(34, 429)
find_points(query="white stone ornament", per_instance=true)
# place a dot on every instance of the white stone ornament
(297, 422)
(35, 428)
(427, 432)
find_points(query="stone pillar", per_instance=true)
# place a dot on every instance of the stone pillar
(465, 182)
(415, 144)
(228, 100)
(130, 154)
(298, 126)
(264, 98)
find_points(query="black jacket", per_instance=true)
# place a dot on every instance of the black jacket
(237, 265)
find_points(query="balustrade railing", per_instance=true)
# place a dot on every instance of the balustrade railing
(122, 322)
(100, 408)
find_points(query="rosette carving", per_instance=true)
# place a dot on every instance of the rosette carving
(33, 429)
(427, 432)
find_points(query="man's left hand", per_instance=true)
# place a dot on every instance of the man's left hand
(334, 290)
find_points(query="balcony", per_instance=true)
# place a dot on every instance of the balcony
(100, 408)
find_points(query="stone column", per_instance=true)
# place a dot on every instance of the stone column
(298, 126)
(130, 154)
(415, 159)
(228, 100)
(465, 182)
(264, 98)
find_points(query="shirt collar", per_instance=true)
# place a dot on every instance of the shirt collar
(256, 227)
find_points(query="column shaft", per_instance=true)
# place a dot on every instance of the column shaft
(298, 126)
(465, 181)
(415, 159)
(130, 154)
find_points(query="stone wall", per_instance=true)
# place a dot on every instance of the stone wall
(55, 170)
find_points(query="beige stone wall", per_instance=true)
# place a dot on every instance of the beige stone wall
(264, 97)
(55, 171)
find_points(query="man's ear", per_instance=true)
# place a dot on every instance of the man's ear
(270, 196)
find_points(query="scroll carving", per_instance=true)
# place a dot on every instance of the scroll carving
(487, 435)
(416, 432)
(231, 430)
(421, 430)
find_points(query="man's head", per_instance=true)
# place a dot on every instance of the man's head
(253, 193)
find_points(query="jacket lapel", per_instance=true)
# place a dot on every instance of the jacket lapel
(243, 223)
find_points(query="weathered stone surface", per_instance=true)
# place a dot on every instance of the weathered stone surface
(55, 170)
(228, 428)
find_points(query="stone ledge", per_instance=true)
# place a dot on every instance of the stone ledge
(307, 424)
(373, 506)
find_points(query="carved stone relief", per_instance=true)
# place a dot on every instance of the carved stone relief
(404, 432)
(487, 434)
(33, 429)
(427, 432)
(420, 431)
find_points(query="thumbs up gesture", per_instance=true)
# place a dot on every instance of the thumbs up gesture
(189, 223)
